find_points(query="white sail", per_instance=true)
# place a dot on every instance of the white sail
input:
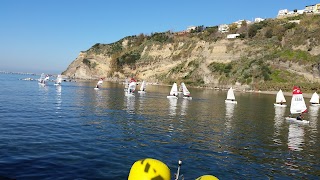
(100, 81)
(131, 88)
(47, 78)
(42, 76)
(174, 90)
(314, 98)
(42, 79)
(185, 90)
(280, 97)
(297, 102)
(59, 79)
(143, 86)
(230, 95)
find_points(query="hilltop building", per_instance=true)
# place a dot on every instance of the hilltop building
(315, 8)
(256, 20)
(223, 28)
(190, 28)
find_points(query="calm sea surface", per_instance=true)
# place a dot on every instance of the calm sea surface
(76, 132)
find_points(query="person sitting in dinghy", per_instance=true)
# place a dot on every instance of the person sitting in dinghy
(299, 117)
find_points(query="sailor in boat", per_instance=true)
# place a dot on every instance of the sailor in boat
(299, 117)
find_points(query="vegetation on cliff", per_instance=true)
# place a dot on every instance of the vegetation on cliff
(273, 54)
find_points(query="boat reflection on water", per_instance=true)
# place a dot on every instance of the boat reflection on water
(313, 119)
(184, 106)
(295, 137)
(229, 114)
(130, 102)
(173, 106)
(58, 98)
(278, 121)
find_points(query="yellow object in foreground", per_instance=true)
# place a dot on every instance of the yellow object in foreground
(207, 177)
(148, 169)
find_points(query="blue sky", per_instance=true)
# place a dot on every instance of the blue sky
(47, 35)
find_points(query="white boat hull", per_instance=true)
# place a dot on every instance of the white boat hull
(141, 92)
(185, 97)
(172, 97)
(230, 101)
(296, 120)
(96, 88)
(316, 105)
(129, 94)
(280, 105)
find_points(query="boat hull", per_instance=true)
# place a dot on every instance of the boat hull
(172, 97)
(279, 105)
(129, 94)
(296, 120)
(185, 97)
(230, 101)
(142, 92)
(316, 105)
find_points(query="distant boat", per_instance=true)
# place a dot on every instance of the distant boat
(314, 99)
(131, 89)
(280, 99)
(143, 87)
(42, 79)
(174, 91)
(298, 106)
(230, 97)
(99, 84)
(58, 80)
(185, 91)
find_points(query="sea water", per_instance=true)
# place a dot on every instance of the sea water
(75, 132)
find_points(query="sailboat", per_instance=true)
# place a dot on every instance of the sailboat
(280, 99)
(298, 106)
(131, 89)
(230, 97)
(174, 91)
(100, 81)
(314, 99)
(42, 79)
(143, 87)
(99, 84)
(186, 92)
(58, 80)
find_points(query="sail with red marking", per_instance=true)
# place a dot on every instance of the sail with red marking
(297, 102)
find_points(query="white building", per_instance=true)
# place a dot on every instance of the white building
(223, 28)
(256, 20)
(283, 12)
(190, 28)
(232, 36)
(239, 22)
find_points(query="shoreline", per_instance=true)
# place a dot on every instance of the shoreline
(237, 88)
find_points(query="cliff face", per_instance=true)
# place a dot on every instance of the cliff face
(270, 54)
(158, 60)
